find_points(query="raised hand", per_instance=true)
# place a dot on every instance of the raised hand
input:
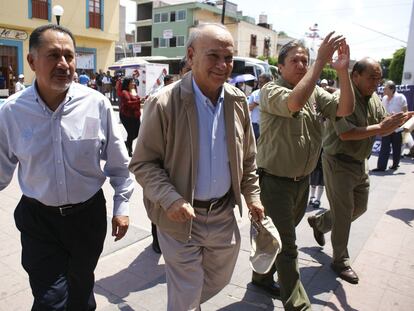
(329, 46)
(342, 62)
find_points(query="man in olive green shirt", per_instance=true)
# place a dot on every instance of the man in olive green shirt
(292, 112)
(347, 145)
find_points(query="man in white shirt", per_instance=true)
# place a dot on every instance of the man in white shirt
(393, 102)
(254, 100)
(19, 84)
(56, 132)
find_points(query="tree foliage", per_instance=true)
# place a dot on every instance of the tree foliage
(385, 66)
(397, 66)
(270, 60)
(328, 73)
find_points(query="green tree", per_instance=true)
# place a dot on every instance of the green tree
(270, 60)
(328, 73)
(282, 34)
(397, 66)
(385, 66)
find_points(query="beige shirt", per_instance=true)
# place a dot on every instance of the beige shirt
(290, 143)
(368, 111)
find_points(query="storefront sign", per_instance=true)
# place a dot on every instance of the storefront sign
(7, 33)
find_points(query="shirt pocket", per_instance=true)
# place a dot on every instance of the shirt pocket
(84, 154)
(296, 124)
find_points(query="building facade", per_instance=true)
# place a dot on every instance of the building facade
(94, 23)
(162, 29)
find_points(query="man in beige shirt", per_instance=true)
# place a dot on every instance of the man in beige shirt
(292, 111)
(347, 145)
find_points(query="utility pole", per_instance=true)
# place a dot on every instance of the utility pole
(223, 12)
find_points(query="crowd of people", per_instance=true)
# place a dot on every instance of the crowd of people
(196, 155)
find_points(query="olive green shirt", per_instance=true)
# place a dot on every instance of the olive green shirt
(368, 111)
(290, 143)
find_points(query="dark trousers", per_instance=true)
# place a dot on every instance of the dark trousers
(395, 139)
(256, 131)
(60, 253)
(285, 202)
(131, 125)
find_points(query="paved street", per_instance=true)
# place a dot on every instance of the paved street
(130, 276)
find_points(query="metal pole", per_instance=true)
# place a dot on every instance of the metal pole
(58, 19)
(223, 12)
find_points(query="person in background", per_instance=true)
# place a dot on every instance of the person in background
(183, 66)
(130, 111)
(84, 78)
(195, 156)
(393, 102)
(254, 100)
(75, 77)
(347, 146)
(168, 79)
(19, 84)
(98, 78)
(57, 132)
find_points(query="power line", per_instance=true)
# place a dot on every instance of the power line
(382, 33)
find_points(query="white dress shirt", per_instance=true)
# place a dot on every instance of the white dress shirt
(396, 104)
(59, 152)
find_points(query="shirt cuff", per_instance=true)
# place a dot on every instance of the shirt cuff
(121, 208)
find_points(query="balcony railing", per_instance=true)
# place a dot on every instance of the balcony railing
(253, 51)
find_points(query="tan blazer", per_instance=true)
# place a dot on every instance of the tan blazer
(166, 155)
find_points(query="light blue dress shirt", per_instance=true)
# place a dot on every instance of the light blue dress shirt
(59, 152)
(213, 171)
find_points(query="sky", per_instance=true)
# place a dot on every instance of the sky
(375, 28)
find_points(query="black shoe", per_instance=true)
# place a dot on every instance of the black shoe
(272, 289)
(318, 235)
(346, 273)
(156, 247)
(378, 170)
(394, 167)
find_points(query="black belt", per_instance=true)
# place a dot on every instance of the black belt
(346, 158)
(261, 172)
(64, 210)
(211, 204)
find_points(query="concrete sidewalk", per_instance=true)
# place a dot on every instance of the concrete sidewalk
(130, 276)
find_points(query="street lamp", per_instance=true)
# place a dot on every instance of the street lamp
(57, 10)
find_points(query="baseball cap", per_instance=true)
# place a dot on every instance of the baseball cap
(265, 245)
(324, 81)
(21, 76)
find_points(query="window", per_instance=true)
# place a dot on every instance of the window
(181, 15)
(40, 9)
(163, 43)
(157, 18)
(173, 42)
(180, 41)
(156, 43)
(95, 14)
(172, 16)
(164, 17)
(253, 40)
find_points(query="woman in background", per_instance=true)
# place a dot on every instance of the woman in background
(130, 111)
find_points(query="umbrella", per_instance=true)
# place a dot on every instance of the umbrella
(242, 78)
(128, 62)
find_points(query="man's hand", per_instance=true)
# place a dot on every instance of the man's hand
(256, 210)
(119, 226)
(328, 47)
(342, 62)
(390, 123)
(180, 211)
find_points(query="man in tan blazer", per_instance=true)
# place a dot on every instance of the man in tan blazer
(194, 158)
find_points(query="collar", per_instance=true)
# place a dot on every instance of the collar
(201, 98)
(284, 83)
(69, 95)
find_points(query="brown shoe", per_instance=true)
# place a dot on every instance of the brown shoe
(346, 274)
(318, 235)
